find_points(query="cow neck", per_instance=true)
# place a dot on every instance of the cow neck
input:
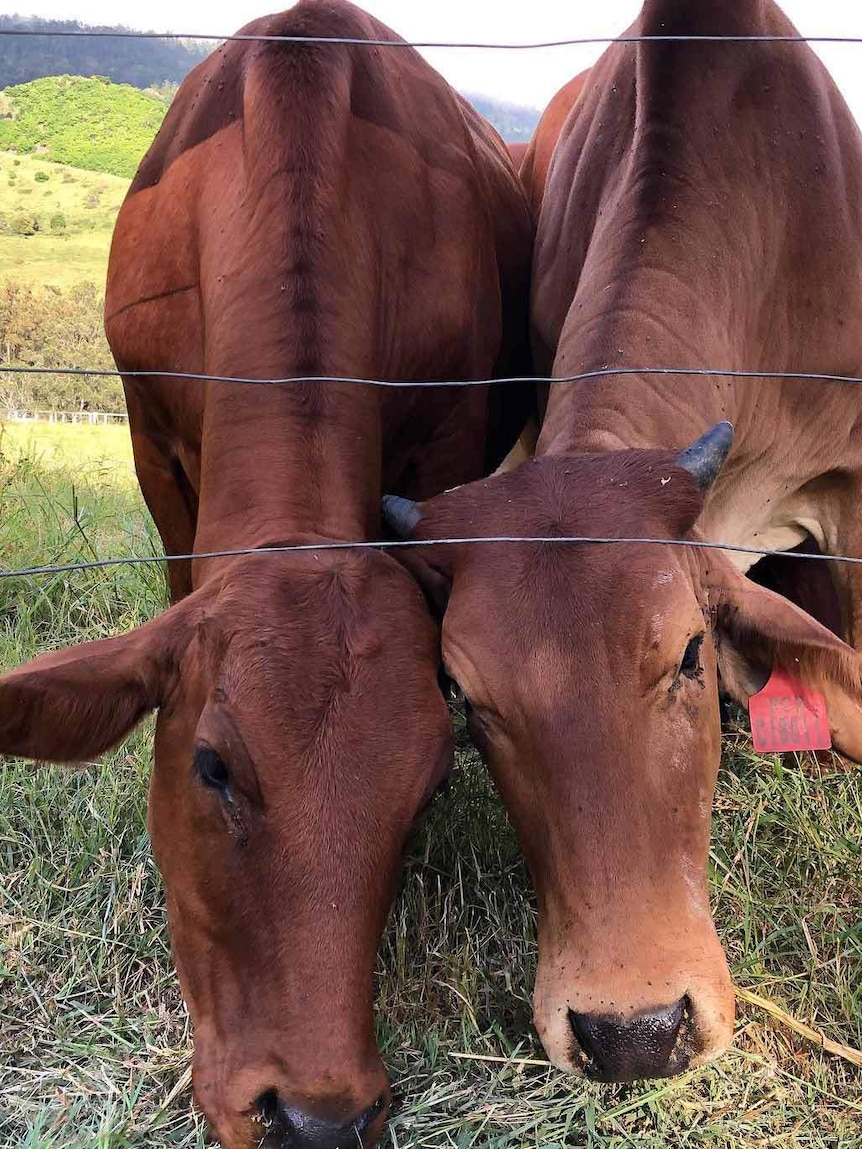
(685, 328)
(681, 266)
(288, 464)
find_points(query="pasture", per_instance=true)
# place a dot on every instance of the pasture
(94, 1041)
(55, 221)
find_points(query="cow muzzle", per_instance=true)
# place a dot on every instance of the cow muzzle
(641, 1043)
(257, 1106)
(290, 1128)
(646, 1011)
(654, 1043)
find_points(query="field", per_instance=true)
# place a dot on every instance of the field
(94, 1042)
(73, 212)
(52, 446)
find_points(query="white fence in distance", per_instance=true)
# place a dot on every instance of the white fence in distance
(92, 418)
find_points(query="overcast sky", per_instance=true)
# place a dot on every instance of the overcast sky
(522, 77)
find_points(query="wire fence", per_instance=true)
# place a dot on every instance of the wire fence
(585, 376)
(50, 415)
(580, 377)
(414, 544)
(364, 42)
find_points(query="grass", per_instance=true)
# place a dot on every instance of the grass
(52, 446)
(88, 203)
(94, 1041)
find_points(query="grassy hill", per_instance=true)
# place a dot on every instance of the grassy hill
(55, 233)
(89, 123)
(55, 221)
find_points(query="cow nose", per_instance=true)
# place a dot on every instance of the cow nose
(625, 1049)
(290, 1128)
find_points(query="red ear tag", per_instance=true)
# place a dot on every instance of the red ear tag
(788, 715)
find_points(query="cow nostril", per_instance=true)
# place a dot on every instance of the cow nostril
(650, 1044)
(290, 1128)
(267, 1104)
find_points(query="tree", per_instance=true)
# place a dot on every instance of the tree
(47, 327)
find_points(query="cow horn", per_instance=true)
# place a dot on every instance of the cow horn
(706, 455)
(402, 515)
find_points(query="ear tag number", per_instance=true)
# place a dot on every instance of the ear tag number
(788, 715)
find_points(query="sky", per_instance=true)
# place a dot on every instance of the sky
(529, 77)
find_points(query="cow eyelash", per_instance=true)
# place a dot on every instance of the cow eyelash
(211, 769)
(690, 665)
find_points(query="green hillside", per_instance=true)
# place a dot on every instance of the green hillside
(55, 221)
(55, 233)
(88, 123)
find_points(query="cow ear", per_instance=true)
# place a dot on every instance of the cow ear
(73, 704)
(431, 566)
(432, 569)
(758, 631)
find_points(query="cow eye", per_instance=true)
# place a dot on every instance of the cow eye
(210, 768)
(690, 665)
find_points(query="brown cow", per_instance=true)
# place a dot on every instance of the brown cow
(703, 210)
(535, 164)
(305, 210)
(517, 150)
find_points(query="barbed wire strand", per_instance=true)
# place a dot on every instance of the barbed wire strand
(399, 544)
(597, 373)
(130, 34)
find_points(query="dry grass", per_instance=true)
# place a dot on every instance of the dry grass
(94, 1042)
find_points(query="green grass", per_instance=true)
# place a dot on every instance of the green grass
(93, 1036)
(52, 446)
(88, 203)
(85, 121)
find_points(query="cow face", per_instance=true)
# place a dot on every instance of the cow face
(591, 673)
(300, 731)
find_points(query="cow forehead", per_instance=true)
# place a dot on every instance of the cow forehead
(301, 704)
(356, 595)
(548, 584)
(286, 635)
(600, 494)
(577, 613)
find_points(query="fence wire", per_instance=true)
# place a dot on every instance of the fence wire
(131, 34)
(401, 544)
(583, 376)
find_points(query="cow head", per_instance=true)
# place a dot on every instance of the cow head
(300, 731)
(591, 673)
